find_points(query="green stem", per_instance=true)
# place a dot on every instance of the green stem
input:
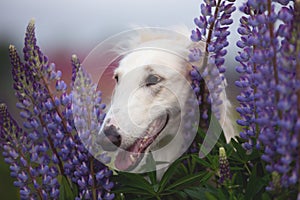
(247, 168)
(203, 87)
(94, 192)
(211, 27)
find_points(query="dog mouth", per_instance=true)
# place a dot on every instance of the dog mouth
(128, 159)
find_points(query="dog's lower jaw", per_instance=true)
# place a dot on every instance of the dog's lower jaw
(127, 160)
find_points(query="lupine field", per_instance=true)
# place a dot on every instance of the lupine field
(47, 159)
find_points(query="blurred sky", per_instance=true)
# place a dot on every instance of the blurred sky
(64, 27)
(82, 24)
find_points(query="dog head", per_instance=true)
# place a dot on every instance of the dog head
(149, 101)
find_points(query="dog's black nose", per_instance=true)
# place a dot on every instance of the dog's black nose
(109, 139)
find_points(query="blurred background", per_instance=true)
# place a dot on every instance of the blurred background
(65, 27)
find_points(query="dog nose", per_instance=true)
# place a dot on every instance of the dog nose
(110, 139)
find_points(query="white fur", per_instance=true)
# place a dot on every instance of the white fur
(134, 106)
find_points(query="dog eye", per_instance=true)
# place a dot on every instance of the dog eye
(152, 80)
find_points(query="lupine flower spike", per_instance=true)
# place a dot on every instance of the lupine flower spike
(269, 80)
(224, 166)
(209, 49)
(46, 156)
(212, 28)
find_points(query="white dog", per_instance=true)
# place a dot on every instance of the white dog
(150, 102)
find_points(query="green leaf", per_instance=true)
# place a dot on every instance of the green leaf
(65, 191)
(201, 161)
(221, 195)
(197, 193)
(207, 177)
(265, 196)
(209, 196)
(189, 179)
(239, 149)
(142, 198)
(255, 184)
(182, 195)
(135, 181)
(169, 174)
(254, 155)
(152, 177)
(131, 190)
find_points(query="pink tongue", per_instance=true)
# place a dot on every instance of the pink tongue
(123, 161)
(127, 159)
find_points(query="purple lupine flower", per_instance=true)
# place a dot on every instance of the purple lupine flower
(35, 149)
(18, 152)
(87, 108)
(268, 100)
(212, 26)
(90, 174)
(210, 36)
(48, 150)
(45, 110)
(224, 166)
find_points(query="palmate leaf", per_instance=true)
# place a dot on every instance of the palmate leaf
(172, 184)
(142, 198)
(133, 183)
(202, 193)
(201, 161)
(196, 193)
(130, 190)
(169, 173)
(188, 180)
